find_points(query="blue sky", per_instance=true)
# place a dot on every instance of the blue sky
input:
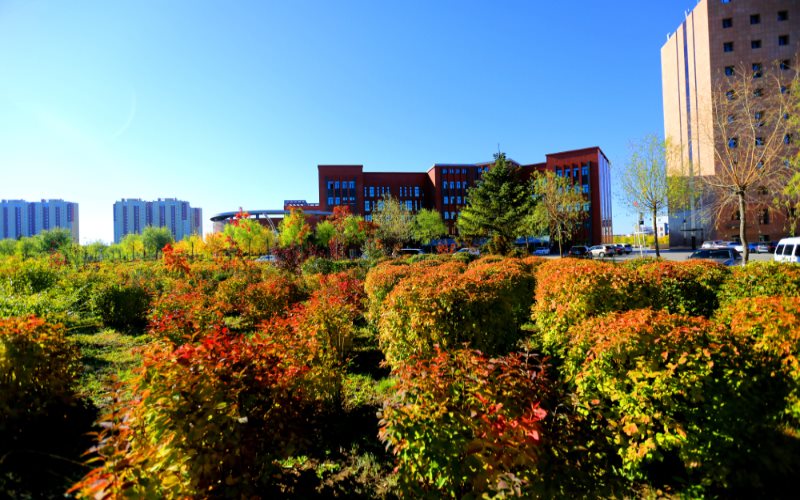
(229, 104)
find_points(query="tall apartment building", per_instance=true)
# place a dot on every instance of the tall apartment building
(20, 218)
(716, 37)
(132, 215)
(444, 188)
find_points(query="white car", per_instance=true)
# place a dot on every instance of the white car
(788, 250)
(602, 251)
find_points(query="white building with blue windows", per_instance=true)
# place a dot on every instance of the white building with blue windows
(132, 215)
(20, 218)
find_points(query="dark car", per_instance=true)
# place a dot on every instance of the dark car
(724, 256)
(578, 251)
(619, 249)
(628, 248)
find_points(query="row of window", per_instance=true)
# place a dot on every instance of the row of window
(341, 200)
(783, 41)
(341, 185)
(783, 15)
(411, 205)
(584, 170)
(462, 171)
(733, 142)
(759, 92)
(455, 200)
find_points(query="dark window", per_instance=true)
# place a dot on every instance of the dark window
(783, 15)
(787, 139)
(785, 65)
(727, 22)
(757, 70)
(783, 40)
(758, 92)
(755, 44)
(784, 89)
(733, 142)
(729, 71)
(727, 47)
(755, 19)
(731, 118)
(725, 1)
(759, 141)
(731, 95)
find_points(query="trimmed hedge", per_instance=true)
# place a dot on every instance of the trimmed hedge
(668, 389)
(483, 306)
(761, 279)
(688, 287)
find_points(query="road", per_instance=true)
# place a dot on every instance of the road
(679, 255)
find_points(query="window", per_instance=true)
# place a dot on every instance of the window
(416, 191)
(459, 200)
(585, 172)
(727, 47)
(787, 139)
(759, 117)
(352, 184)
(366, 206)
(731, 95)
(729, 71)
(733, 142)
(755, 19)
(725, 1)
(783, 15)
(372, 191)
(731, 118)
(755, 44)
(446, 200)
(727, 23)
(336, 185)
(447, 216)
(585, 188)
(330, 201)
(409, 205)
(758, 92)
(757, 70)
(444, 171)
(785, 65)
(783, 40)
(763, 216)
(759, 141)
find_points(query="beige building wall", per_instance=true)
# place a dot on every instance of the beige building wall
(693, 62)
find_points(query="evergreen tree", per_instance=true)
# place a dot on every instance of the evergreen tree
(497, 207)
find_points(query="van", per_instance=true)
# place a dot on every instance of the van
(788, 250)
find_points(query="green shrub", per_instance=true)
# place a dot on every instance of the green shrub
(30, 276)
(688, 287)
(38, 367)
(380, 280)
(772, 326)
(462, 425)
(483, 306)
(760, 279)
(122, 304)
(668, 389)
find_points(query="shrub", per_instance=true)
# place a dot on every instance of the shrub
(38, 367)
(122, 304)
(688, 287)
(32, 275)
(772, 326)
(252, 298)
(483, 306)
(380, 280)
(665, 389)
(322, 265)
(211, 418)
(761, 279)
(462, 425)
(569, 291)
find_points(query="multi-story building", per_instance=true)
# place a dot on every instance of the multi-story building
(717, 37)
(444, 188)
(19, 218)
(132, 215)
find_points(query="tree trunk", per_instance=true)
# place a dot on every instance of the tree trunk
(655, 233)
(742, 225)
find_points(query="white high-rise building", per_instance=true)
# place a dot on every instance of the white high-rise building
(133, 215)
(20, 218)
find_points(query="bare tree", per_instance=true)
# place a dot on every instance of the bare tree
(750, 137)
(559, 207)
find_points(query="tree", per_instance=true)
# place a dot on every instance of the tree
(8, 246)
(191, 246)
(294, 230)
(497, 206)
(249, 235)
(644, 181)
(95, 250)
(26, 247)
(53, 240)
(324, 234)
(559, 207)
(427, 226)
(789, 200)
(394, 223)
(750, 136)
(132, 245)
(155, 238)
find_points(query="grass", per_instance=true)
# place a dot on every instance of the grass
(107, 356)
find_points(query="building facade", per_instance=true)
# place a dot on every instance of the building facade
(132, 215)
(717, 37)
(444, 188)
(20, 218)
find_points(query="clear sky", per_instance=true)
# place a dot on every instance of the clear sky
(230, 104)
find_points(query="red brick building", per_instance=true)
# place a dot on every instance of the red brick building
(444, 188)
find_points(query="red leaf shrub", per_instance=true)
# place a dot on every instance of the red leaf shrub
(772, 326)
(569, 291)
(38, 367)
(447, 305)
(661, 387)
(210, 418)
(462, 424)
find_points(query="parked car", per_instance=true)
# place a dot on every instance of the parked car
(766, 247)
(724, 256)
(266, 258)
(471, 251)
(713, 244)
(602, 251)
(619, 249)
(541, 251)
(578, 251)
(628, 248)
(410, 251)
(736, 246)
(788, 250)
